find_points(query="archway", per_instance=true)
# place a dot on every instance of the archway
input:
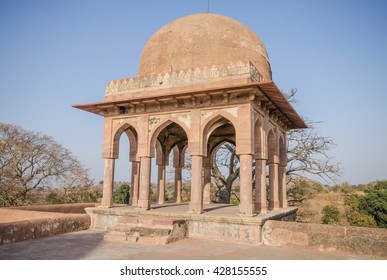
(170, 145)
(273, 170)
(131, 133)
(221, 162)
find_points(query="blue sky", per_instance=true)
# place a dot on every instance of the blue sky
(57, 53)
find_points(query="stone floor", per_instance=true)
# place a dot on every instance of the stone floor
(89, 244)
(212, 212)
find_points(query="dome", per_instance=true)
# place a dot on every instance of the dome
(203, 40)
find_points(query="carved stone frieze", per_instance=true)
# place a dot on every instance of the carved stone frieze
(183, 77)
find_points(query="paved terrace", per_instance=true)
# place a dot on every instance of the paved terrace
(89, 244)
(215, 211)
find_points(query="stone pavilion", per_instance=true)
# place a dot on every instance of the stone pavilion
(203, 80)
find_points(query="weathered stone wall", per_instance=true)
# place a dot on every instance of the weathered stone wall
(234, 232)
(76, 208)
(365, 241)
(36, 228)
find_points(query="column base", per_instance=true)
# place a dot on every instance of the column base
(195, 208)
(274, 205)
(246, 210)
(143, 204)
(261, 208)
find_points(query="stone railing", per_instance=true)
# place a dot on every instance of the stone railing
(37, 228)
(172, 78)
(75, 208)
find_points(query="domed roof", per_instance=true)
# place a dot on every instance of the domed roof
(203, 40)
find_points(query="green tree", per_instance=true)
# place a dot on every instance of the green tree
(352, 201)
(331, 214)
(303, 189)
(374, 203)
(121, 195)
(360, 220)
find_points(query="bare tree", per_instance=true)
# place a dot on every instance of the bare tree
(308, 155)
(307, 158)
(225, 171)
(30, 160)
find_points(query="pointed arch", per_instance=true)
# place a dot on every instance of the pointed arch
(210, 125)
(260, 140)
(160, 127)
(272, 147)
(132, 135)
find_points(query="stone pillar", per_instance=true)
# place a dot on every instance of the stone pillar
(108, 182)
(246, 206)
(145, 172)
(260, 186)
(196, 204)
(161, 184)
(273, 186)
(135, 182)
(207, 180)
(283, 201)
(178, 184)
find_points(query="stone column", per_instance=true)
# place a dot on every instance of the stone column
(178, 184)
(145, 172)
(135, 182)
(260, 186)
(196, 204)
(283, 201)
(108, 182)
(207, 180)
(161, 184)
(273, 186)
(246, 207)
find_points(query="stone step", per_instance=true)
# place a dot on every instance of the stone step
(120, 237)
(140, 236)
(147, 230)
(147, 222)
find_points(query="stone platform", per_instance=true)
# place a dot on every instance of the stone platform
(218, 222)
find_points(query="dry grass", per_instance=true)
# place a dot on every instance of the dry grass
(311, 210)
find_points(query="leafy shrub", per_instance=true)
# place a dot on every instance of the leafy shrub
(302, 190)
(374, 203)
(331, 215)
(121, 195)
(361, 220)
(352, 201)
